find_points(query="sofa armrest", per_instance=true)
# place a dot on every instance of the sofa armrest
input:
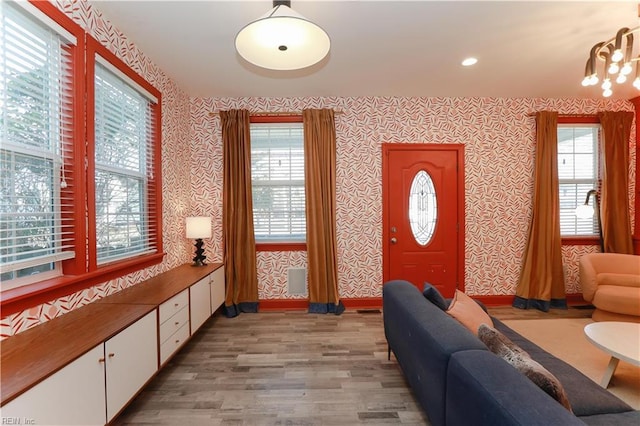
(483, 389)
(588, 280)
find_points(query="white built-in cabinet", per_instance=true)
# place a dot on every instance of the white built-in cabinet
(200, 303)
(78, 394)
(217, 288)
(85, 384)
(131, 358)
(46, 403)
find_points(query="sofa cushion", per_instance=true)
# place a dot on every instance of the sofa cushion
(617, 419)
(434, 296)
(483, 389)
(618, 299)
(514, 355)
(468, 312)
(586, 396)
(626, 280)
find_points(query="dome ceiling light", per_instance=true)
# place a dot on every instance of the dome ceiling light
(282, 39)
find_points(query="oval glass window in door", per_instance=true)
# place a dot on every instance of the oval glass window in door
(423, 208)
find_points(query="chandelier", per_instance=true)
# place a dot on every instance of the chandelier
(618, 59)
(282, 39)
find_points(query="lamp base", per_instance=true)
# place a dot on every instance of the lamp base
(199, 258)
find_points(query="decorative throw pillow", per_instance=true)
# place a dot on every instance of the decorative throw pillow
(468, 312)
(433, 295)
(502, 346)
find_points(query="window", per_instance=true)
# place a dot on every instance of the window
(124, 123)
(80, 201)
(277, 176)
(578, 173)
(36, 125)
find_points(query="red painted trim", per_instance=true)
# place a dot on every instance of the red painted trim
(499, 300)
(581, 241)
(587, 119)
(459, 148)
(283, 305)
(303, 304)
(362, 303)
(275, 119)
(281, 246)
(21, 298)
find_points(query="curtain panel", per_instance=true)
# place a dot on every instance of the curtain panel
(541, 284)
(320, 200)
(237, 215)
(615, 221)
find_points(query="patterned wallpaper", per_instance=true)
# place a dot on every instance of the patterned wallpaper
(499, 140)
(498, 137)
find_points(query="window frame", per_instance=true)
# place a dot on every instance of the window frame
(277, 245)
(583, 240)
(82, 271)
(154, 187)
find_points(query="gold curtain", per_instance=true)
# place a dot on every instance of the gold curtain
(615, 221)
(237, 215)
(320, 201)
(541, 283)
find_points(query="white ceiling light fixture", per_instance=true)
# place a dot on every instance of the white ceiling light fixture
(282, 40)
(617, 58)
(469, 62)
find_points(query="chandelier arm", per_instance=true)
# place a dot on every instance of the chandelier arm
(611, 41)
(629, 49)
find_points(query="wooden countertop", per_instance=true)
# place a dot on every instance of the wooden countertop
(35, 354)
(162, 287)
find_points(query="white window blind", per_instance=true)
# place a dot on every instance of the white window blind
(277, 175)
(124, 145)
(36, 122)
(577, 174)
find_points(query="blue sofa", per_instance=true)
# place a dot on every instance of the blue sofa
(458, 381)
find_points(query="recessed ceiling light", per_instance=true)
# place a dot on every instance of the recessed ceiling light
(469, 61)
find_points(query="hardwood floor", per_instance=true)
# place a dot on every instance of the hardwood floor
(290, 368)
(287, 368)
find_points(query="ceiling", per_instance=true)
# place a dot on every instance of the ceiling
(384, 48)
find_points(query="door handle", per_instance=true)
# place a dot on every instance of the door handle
(394, 240)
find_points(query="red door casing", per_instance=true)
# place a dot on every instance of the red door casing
(423, 184)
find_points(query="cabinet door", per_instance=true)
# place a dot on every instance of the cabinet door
(200, 303)
(131, 360)
(72, 396)
(217, 289)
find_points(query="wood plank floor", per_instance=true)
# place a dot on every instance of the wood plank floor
(286, 368)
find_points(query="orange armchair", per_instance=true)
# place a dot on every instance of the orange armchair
(611, 283)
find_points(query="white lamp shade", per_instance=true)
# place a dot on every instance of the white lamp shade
(584, 211)
(282, 40)
(199, 227)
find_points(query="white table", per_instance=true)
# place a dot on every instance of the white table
(621, 340)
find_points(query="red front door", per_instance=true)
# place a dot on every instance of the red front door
(423, 234)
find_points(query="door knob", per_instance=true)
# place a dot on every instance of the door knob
(394, 240)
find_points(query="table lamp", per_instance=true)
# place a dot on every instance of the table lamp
(199, 227)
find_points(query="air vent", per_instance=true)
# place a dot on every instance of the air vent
(297, 281)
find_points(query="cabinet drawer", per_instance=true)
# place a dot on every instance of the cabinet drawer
(173, 305)
(173, 343)
(173, 324)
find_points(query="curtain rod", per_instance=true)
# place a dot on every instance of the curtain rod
(278, 113)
